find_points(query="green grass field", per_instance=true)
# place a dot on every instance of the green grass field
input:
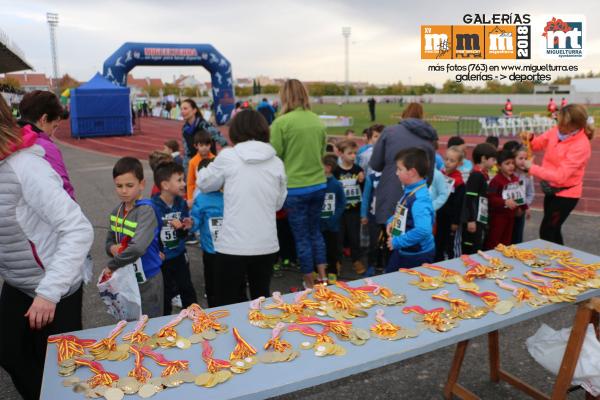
(390, 114)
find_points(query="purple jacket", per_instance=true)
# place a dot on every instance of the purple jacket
(54, 158)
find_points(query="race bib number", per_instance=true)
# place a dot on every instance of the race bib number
(328, 205)
(515, 191)
(351, 191)
(482, 210)
(168, 235)
(214, 226)
(138, 268)
(399, 221)
(449, 184)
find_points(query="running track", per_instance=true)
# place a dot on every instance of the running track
(153, 132)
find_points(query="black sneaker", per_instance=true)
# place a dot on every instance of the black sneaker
(191, 239)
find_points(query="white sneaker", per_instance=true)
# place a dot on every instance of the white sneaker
(176, 301)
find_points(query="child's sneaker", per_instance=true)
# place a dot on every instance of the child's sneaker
(277, 270)
(176, 301)
(331, 279)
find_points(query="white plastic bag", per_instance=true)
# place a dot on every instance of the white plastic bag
(547, 347)
(121, 294)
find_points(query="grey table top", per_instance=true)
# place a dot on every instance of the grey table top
(266, 380)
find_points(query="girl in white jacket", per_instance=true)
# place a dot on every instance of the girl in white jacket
(44, 240)
(254, 188)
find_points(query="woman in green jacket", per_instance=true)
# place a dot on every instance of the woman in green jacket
(299, 137)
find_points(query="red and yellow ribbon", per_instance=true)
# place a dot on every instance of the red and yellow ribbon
(213, 365)
(70, 346)
(139, 372)
(242, 348)
(101, 376)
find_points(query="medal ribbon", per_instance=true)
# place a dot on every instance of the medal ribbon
(139, 372)
(276, 343)
(70, 346)
(488, 297)
(101, 376)
(383, 327)
(169, 329)
(213, 365)
(458, 305)
(171, 367)
(109, 342)
(138, 335)
(379, 290)
(321, 337)
(242, 349)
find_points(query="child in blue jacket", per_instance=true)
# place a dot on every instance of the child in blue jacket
(207, 213)
(410, 229)
(333, 208)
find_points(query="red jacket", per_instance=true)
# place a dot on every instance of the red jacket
(495, 201)
(564, 162)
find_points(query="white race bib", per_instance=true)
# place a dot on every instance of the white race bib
(399, 221)
(328, 205)
(351, 191)
(138, 268)
(449, 183)
(515, 191)
(482, 210)
(214, 226)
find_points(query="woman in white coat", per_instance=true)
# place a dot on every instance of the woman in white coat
(254, 187)
(44, 240)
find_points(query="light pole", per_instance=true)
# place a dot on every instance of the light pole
(346, 33)
(52, 19)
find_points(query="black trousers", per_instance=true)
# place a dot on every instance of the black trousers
(23, 350)
(287, 246)
(177, 280)
(556, 212)
(444, 238)
(472, 242)
(232, 272)
(350, 232)
(332, 245)
(209, 260)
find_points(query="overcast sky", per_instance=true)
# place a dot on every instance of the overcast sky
(277, 38)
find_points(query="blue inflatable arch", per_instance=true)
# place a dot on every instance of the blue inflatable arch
(130, 55)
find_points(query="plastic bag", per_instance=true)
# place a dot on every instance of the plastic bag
(121, 294)
(547, 347)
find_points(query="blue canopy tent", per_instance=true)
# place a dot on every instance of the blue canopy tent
(100, 108)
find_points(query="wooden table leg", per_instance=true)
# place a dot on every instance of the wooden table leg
(567, 368)
(452, 386)
(494, 352)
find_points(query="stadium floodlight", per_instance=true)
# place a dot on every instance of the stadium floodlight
(346, 30)
(52, 19)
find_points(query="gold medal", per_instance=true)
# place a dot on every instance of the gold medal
(306, 345)
(81, 387)
(187, 376)
(114, 394)
(70, 381)
(123, 347)
(147, 391)
(223, 375)
(212, 382)
(183, 343)
(202, 379)
(209, 334)
(503, 307)
(196, 338)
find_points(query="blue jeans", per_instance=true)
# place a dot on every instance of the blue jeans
(398, 260)
(304, 217)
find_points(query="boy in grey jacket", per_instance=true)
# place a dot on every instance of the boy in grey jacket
(133, 235)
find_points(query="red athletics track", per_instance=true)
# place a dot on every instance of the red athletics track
(155, 131)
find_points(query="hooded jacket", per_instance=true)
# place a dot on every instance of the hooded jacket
(254, 188)
(52, 155)
(410, 132)
(44, 236)
(564, 161)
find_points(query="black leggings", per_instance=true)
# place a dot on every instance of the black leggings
(556, 212)
(22, 349)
